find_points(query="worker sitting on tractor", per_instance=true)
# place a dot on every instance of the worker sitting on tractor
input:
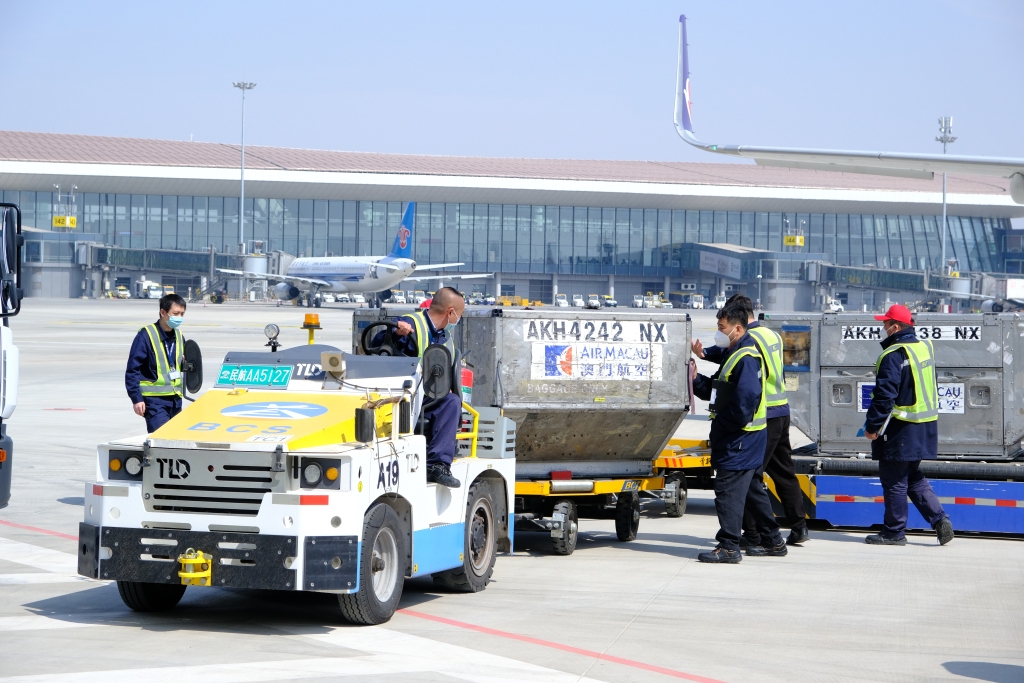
(415, 333)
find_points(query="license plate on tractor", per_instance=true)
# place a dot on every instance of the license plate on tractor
(255, 375)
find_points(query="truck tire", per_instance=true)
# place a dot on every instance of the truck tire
(627, 516)
(381, 569)
(481, 545)
(150, 597)
(566, 542)
(676, 506)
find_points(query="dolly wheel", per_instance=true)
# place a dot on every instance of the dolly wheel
(565, 543)
(627, 516)
(676, 505)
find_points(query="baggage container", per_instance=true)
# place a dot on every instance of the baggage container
(595, 395)
(830, 371)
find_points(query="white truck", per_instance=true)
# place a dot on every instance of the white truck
(300, 471)
(577, 301)
(11, 243)
(561, 301)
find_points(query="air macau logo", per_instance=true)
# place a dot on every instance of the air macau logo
(275, 411)
(403, 236)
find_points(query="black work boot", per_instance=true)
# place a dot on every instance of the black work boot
(881, 539)
(442, 474)
(944, 531)
(770, 550)
(798, 536)
(747, 540)
(721, 556)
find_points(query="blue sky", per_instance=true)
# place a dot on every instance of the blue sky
(587, 80)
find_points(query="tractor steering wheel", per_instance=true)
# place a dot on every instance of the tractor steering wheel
(388, 345)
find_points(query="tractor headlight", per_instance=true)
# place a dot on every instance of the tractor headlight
(271, 331)
(311, 474)
(133, 465)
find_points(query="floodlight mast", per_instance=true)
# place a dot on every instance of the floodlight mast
(946, 128)
(243, 86)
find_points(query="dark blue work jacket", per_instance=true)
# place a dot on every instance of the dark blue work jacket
(732, 448)
(894, 385)
(716, 354)
(142, 366)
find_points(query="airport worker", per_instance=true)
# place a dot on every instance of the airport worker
(738, 440)
(902, 424)
(778, 458)
(153, 375)
(417, 331)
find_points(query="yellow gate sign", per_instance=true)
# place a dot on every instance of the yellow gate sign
(793, 240)
(65, 221)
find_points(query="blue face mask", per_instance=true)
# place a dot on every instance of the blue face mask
(174, 321)
(451, 326)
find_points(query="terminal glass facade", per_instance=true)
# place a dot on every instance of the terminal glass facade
(521, 238)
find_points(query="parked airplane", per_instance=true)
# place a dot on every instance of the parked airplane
(878, 163)
(355, 273)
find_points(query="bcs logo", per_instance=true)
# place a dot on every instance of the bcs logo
(557, 360)
(275, 411)
(403, 236)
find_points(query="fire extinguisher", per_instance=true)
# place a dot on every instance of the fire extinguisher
(467, 385)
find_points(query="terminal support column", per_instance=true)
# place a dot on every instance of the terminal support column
(554, 287)
(611, 285)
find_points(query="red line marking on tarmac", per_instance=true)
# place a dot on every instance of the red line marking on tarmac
(1001, 503)
(963, 501)
(844, 499)
(564, 648)
(38, 530)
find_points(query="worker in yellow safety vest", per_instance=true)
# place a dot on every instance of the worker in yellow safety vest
(778, 459)
(902, 425)
(153, 374)
(738, 438)
(417, 331)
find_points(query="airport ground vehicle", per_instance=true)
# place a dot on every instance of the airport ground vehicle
(594, 396)
(398, 297)
(719, 301)
(829, 365)
(122, 292)
(638, 301)
(288, 477)
(147, 289)
(696, 301)
(11, 243)
(833, 306)
(328, 298)
(561, 301)
(594, 302)
(578, 301)
(358, 299)
(608, 302)
(168, 289)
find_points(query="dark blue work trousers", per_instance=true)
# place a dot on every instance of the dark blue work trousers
(900, 479)
(159, 410)
(734, 491)
(442, 422)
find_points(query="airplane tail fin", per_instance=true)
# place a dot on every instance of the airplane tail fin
(683, 112)
(402, 248)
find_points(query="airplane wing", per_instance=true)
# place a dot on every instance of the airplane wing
(878, 163)
(448, 277)
(438, 266)
(283, 278)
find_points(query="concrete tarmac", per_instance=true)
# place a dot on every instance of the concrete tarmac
(834, 609)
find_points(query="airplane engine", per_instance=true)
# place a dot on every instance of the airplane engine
(286, 292)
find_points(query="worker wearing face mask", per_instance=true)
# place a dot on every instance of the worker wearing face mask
(436, 325)
(738, 440)
(902, 425)
(153, 375)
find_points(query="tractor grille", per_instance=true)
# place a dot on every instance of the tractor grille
(206, 481)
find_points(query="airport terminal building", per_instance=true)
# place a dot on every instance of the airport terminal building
(170, 211)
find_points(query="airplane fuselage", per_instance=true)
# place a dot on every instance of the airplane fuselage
(351, 274)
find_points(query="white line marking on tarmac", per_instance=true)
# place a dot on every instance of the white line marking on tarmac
(386, 653)
(38, 557)
(36, 579)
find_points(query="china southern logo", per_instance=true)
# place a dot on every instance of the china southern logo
(403, 237)
(557, 360)
(275, 411)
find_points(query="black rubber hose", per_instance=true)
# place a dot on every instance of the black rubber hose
(935, 469)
